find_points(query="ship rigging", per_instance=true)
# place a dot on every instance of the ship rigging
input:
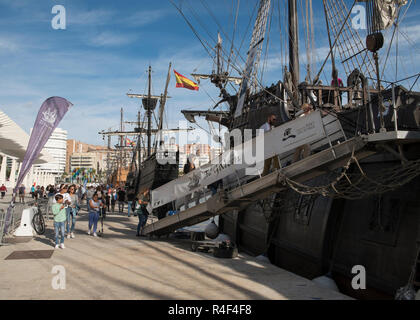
(321, 214)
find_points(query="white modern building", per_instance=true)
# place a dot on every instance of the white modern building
(87, 160)
(56, 146)
(13, 144)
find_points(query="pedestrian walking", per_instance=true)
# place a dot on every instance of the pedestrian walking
(100, 194)
(80, 193)
(108, 196)
(72, 210)
(94, 208)
(113, 200)
(64, 192)
(141, 211)
(59, 212)
(42, 193)
(89, 195)
(3, 190)
(22, 193)
(51, 193)
(130, 198)
(121, 200)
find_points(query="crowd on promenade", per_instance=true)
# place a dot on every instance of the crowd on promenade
(66, 202)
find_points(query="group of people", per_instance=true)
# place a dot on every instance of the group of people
(38, 192)
(65, 207)
(66, 202)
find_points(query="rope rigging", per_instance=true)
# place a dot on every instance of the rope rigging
(358, 184)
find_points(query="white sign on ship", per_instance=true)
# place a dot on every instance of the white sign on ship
(278, 141)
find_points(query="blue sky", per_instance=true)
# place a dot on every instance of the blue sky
(108, 45)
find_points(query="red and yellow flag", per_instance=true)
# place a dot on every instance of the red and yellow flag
(182, 82)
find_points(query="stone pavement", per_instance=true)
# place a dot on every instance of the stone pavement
(4, 203)
(122, 266)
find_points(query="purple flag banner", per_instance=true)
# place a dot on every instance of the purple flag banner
(49, 116)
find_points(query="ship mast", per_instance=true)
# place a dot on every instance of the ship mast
(163, 103)
(138, 139)
(293, 46)
(149, 114)
(122, 144)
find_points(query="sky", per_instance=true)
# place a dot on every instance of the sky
(108, 45)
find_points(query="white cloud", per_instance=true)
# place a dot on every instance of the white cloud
(109, 39)
(96, 82)
(8, 45)
(99, 17)
(142, 18)
(412, 32)
(89, 17)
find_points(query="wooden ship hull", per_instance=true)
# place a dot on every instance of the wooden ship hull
(300, 225)
(153, 175)
(314, 234)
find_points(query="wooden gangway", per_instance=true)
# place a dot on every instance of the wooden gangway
(261, 187)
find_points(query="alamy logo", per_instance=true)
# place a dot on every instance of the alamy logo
(58, 282)
(49, 116)
(288, 134)
(359, 280)
(59, 21)
(358, 22)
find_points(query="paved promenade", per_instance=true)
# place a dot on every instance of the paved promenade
(122, 266)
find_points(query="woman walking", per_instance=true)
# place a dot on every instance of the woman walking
(94, 208)
(33, 192)
(72, 210)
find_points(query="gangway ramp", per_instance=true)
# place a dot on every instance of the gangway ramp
(261, 187)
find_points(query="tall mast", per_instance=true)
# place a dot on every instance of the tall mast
(108, 157)
(334, 70)
(149, 104)
(122, 138)
(250, 74)
(139, 139)
(149, 115)
(293, 45)
(163, 102)
(218, 47)
(122, 126)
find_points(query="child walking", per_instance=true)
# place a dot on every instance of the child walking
(59, 212)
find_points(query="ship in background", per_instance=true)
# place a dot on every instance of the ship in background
(157, 166)
(360, 209)
(136, 166)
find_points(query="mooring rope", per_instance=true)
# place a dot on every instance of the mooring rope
(360, 185)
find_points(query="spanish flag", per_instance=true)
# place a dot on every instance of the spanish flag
(182, 82)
